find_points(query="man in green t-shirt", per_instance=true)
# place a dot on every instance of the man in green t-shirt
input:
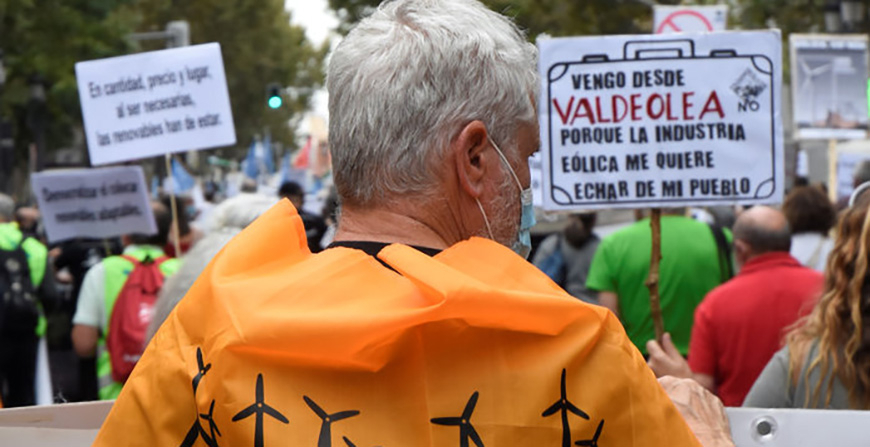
(689, 269)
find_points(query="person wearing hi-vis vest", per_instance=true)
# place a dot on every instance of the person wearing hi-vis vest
(422, 324)
(103, 284)
(26, 288)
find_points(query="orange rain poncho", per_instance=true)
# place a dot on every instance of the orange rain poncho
(274, 346)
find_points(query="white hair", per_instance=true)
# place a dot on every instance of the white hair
(7, 208)
(232, 216)
(407, 79)
(239, 211)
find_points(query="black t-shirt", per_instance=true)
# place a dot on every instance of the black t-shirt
(373, 248)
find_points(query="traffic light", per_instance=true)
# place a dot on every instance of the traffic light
(273, 96)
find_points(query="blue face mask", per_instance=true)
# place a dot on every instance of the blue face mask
(523, 243)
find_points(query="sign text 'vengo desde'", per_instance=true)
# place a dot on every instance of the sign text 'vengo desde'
(155, 103)
(661, 121)
(93, 203)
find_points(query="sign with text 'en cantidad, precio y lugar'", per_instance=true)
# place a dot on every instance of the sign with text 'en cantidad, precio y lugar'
(93, 203)
(155, 103)
(661, 121)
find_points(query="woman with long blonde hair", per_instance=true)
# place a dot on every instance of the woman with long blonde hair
(826, 360)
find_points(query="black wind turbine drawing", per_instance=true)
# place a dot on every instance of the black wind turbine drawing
(193, 434)
(210, 438)
(466, 430)
(564, 406)
(196, 429)
(202, 369)
(347, 441)
(325, 439)
(259, 408)
(594, 441)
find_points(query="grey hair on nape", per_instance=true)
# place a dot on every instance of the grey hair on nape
(407, 79)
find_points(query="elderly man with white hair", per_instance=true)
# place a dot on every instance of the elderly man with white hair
(422, 324)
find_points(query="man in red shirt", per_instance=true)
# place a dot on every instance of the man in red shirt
(740, 324)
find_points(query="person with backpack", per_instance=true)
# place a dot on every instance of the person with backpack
(116, 304)
(566, 256)
(26, 287)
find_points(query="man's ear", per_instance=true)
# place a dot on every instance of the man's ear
(470, 155)
(742, 250)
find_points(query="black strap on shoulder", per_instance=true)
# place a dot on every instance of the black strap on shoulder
(723, 248)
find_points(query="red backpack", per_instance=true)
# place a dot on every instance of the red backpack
(133, 311)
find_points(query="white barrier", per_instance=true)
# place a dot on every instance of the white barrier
(75, 425)
(751, 427)
(66, 425)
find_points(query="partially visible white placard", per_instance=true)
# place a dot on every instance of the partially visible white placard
(661, 121)
(94, 203)
(787, 427)
(155, 103)
(537, 178)
(829, 86)
(689, 19)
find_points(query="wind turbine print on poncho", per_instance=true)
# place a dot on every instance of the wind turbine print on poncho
(466, 430)
(564, 406)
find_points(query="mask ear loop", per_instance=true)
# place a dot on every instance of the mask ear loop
(485, 220)
(505, 160)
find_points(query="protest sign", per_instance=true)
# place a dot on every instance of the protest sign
(659, 121)
(155, 103)
(537, 178)
(829, 86)
(689, 19)
(847, 158)
(93, 203)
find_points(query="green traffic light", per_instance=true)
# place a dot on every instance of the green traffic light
(275, 102)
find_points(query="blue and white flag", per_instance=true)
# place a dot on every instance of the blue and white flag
(250, 166)
(182, 181)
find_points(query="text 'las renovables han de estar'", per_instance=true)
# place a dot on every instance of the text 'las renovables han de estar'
(659, 131)
(154, 103)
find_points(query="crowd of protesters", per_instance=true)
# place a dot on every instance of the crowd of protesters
(67, 285)
(766, 307)
(721, 331)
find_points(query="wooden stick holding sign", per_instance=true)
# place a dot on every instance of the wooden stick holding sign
(652, 281)
(174, 205)
(832, 170)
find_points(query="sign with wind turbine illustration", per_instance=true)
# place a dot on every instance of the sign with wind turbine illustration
(829, 86)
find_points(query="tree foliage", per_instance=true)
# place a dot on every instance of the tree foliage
(601, 17)
(597, 17)
(259, 47)
(47, 37)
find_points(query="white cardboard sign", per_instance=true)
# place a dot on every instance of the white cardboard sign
(689, 19)
(661, 121)
(93, 203)
(155, 103)
(829, 86)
